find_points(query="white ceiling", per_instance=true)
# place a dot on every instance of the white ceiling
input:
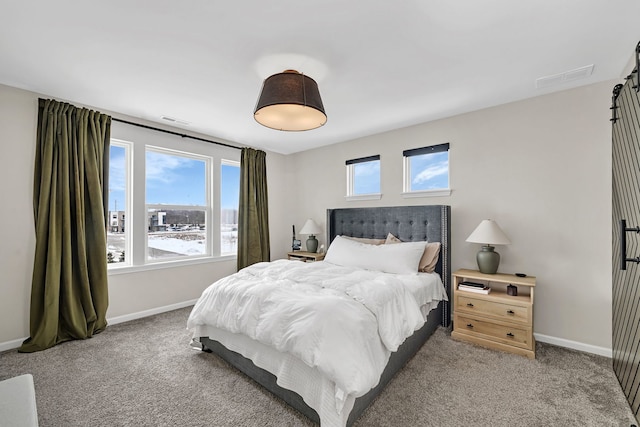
(380, 65)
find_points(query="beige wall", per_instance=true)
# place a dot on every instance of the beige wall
(18, 113)
(541, 168)
(129, 294)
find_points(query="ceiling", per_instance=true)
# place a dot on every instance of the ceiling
(380, 65)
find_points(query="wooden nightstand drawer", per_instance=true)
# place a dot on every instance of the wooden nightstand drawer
(305, 256)
(498, 319)
(498, 310)
(504, 333)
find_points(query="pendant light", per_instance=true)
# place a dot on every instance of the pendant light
(290, 101)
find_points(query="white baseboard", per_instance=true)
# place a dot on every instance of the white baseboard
(150, 312)
(575, 345)
(561, 342)
(10, 345)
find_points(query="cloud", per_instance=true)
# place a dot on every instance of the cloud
(431, 172)
(160, 167)
(367, 169)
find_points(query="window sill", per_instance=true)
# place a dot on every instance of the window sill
(427, 193)
(372, 196)
(126, 269)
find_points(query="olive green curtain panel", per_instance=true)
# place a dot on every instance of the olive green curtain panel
(69, 291)
(253, 212)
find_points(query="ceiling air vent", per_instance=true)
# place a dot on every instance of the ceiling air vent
(567, 76)
(176, 121)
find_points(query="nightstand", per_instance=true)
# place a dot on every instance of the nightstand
(495, 320)
(305, 256)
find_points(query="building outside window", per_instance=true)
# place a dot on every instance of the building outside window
(179, 205)
(119, 156)
(229, 202)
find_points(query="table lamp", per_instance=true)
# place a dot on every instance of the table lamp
(488, 233)
(311, 228)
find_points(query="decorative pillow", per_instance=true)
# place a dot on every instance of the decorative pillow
(391, 239)
(399, 258)
(429, 257)
(366, 240)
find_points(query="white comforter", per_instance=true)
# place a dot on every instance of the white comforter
(340, 320)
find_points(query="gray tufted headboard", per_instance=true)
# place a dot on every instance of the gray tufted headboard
(408, 223)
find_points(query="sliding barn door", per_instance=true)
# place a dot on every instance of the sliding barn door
(626, 236)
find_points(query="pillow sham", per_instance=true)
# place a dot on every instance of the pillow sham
(399, 258)
(391, 239)
(429, 258)
(366, 240)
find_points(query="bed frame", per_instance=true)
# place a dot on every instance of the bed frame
(408, 223)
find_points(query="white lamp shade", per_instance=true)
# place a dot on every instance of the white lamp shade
(489, 233)
(310, 227)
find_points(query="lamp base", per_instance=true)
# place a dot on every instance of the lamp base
(488, 260)
(312, 244)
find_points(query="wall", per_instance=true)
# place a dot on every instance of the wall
(541, 168)
(130, 294)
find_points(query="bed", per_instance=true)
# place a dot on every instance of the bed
(409, 224)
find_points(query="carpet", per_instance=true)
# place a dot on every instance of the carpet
(143, 373)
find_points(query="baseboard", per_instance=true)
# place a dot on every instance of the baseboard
(10, 345)
(150, 312)
(561, 342)
(13, 344)
(575, 345)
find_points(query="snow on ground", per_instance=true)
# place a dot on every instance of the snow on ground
(173, 244)
(178, 246)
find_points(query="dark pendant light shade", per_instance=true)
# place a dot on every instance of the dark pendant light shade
(290, 101)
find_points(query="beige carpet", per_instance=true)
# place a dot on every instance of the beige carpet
(143, 373)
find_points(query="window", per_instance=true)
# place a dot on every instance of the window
(171, 201)
(229, 202)
(177, 205)
(426, 171)
(363, 178)
(118, 184)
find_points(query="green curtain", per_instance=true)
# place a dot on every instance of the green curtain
(253, 213)
(69, 291)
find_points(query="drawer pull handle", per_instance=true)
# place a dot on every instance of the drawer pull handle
(510, 312)
(510, 335)
(469, 325)
(469, 304)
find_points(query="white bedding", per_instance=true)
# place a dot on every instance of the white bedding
(341, 322)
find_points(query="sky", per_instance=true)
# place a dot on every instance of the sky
(428, 172)
(178, 180)
(171, 179)
(366, 177)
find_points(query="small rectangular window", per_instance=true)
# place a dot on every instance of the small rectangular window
(363, 178)
(426, 171)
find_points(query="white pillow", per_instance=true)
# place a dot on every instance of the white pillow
(400, 258)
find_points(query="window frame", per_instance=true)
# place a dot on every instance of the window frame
(207, 207)
(406, 171)
(136, 247)
(351, 181)
(225, 162)
(128, 170)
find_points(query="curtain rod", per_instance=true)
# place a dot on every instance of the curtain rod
(175, 133)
